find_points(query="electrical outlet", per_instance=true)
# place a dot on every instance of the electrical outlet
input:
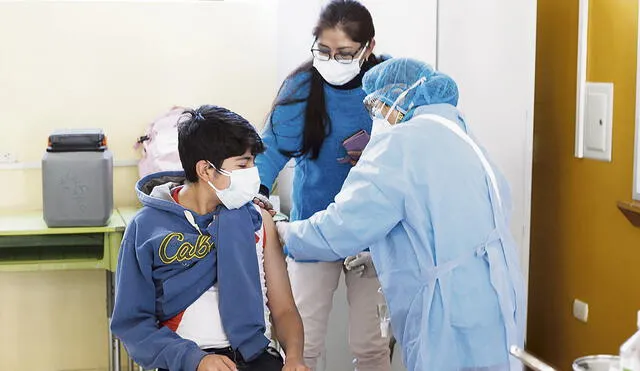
(7, 158)
(581, 310)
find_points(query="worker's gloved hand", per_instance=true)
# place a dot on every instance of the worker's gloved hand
(283, 231)
(280, 217)
(362, 264)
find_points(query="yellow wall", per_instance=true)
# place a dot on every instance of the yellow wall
(113, 65)
(582, 246)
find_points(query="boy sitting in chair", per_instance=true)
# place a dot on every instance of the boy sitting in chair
(201, 271)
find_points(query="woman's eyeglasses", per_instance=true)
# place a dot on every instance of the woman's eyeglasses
(324, 54)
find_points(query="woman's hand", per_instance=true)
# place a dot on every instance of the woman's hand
(354, 157)
(264, 203)
(295, 365)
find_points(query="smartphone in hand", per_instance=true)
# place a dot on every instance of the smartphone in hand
(356, 142)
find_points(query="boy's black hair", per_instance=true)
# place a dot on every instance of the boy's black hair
(214, 134)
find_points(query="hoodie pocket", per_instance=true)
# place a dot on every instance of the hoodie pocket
(182, 289)
(172, 286)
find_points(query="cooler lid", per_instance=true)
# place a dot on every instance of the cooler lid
(77, 140)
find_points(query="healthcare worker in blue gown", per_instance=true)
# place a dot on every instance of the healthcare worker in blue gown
(434, 211)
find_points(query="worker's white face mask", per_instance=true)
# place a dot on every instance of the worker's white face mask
(336, 73)
(379, 124)
(244, 186)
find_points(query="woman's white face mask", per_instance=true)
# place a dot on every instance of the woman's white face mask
(336, 73)
(243, 187)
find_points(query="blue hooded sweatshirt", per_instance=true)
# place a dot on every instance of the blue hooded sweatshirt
(166, 263)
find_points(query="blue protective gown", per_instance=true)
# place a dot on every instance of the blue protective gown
(439, 237)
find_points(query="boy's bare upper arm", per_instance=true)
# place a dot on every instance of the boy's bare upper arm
(280, 298)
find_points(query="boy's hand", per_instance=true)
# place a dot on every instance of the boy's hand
(294, 365)
(214, 362)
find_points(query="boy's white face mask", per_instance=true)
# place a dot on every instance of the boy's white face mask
(244, 186)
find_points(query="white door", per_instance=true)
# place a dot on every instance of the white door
(488, 47)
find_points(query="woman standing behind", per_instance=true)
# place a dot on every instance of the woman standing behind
(319, 106)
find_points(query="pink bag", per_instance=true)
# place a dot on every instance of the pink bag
(160, 144)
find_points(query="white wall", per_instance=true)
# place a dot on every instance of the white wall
(405, 28)
(114, 65)
(296, 20)
(117, 65)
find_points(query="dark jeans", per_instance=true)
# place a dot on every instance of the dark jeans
(269, 360)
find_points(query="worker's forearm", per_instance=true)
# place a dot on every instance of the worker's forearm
(290, 334)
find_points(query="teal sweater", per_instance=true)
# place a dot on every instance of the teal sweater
(316, 182)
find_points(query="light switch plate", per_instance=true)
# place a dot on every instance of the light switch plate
(598, 121)
(595, 133)
(581, 310)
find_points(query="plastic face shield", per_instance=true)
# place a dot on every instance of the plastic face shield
(393, 96)
(379, 110)
(373, 106)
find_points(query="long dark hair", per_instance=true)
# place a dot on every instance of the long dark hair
(355, 21)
